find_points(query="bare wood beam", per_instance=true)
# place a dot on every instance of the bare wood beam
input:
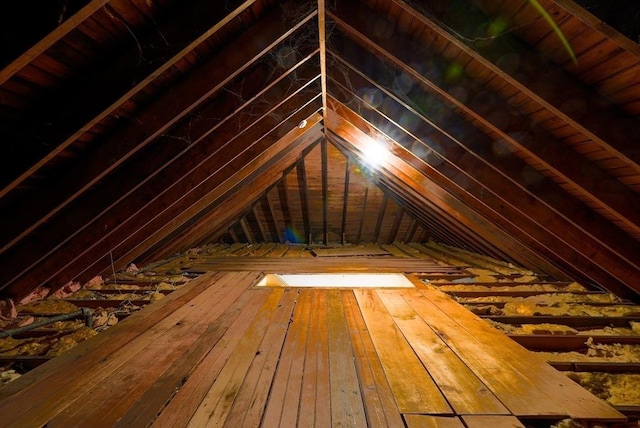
(285, 206)
(247, 230)
(445, 226)
(480, 178)
(51, 39)
(428, 185)
(597, 24)
(169, 211)
(301, 172)
(238, 176)
(325, 192)
(222, 211)
(465, 229)
(542, 146)
(252, 122)
(322, 35)
(594, 182)
(345, 201)
(157, 118)
(443, 233)
(126, 97)
(233, 235)
(425, 235)
(411, 231)
(272, 221)
(380, 218)
(393, 233)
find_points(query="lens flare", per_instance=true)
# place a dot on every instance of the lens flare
(375, 155)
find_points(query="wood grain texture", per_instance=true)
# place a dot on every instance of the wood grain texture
(217, 403)
(346, 397)
(379, 403)
(486, 421)
(414, 390)
(428, 421)
(493, 357)
(461, 387)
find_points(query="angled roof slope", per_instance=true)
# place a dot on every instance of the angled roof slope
(135, 129)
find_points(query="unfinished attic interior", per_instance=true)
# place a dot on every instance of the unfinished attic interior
(458, 179)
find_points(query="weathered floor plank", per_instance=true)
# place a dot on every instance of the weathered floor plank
(488, 421)
(184, 403)
(529, 386)
(104, 344)
(284, 396)
(216, 405)
(520, 395)
(428, 421)
(379, 403)
(462, 388)
(249, 405)
(229, 354)
(95, 360)
(413, 388)
(347, 409)
(160, 393)
(315, 397)
(141, 372)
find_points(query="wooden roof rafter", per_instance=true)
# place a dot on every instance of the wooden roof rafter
(183, 104)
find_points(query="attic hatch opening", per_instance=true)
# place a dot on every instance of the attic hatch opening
(337, 280)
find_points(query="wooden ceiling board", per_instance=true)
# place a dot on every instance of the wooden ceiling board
(145, 128)
(512, 163)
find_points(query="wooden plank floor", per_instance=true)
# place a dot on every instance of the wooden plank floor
(221, 352)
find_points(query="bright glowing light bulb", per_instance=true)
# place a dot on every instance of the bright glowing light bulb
(376, 154)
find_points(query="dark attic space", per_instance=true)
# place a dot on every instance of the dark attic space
(412, 213)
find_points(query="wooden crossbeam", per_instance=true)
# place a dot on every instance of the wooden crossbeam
(272, 221)
(380, 218)
(325, 188)
(51, 39)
